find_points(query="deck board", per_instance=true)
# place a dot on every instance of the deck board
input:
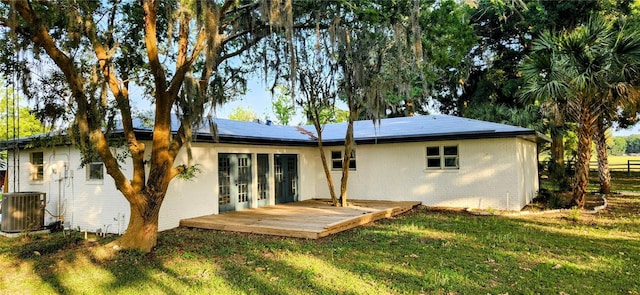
(309, 219)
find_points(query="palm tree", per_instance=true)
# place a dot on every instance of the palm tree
(621, 94)
(580, 72)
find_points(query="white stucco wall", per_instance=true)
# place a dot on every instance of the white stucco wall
(93, 205)
(197, 197)
(528, 174)
(495, 173)
(85, 205)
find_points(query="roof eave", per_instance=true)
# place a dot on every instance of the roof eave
(529, 135)
(143, 134)
(537, 137)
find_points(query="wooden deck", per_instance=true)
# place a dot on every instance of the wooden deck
(310, 219)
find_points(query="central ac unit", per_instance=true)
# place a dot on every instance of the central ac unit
(23, 211)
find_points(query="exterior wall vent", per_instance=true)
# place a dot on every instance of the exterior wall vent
(23, 211)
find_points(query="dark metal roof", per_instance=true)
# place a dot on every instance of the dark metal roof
(391, 130)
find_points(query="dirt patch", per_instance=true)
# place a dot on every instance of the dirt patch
(622, 211)
(621, 205)
(562, 200)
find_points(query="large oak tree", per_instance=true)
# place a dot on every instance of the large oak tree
(177, 51)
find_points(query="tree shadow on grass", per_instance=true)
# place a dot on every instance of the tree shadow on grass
(490, 254)
(39, 251)
(254, 273)
(247, 261)
(424, 251)
(55, 258)
(441, 253)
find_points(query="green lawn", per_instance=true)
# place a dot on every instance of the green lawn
(620, 182)
(429, 252)
(619, 163)
(616, 163)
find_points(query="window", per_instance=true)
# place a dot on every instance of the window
(336, 160)
(263, 176)
(442, 157)
(95, 171)
(37, 166)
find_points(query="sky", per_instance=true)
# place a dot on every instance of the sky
(258, 98)
(627, 132)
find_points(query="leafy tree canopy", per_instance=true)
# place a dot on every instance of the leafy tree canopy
(243, 114)
(16, 120)
(283, 105)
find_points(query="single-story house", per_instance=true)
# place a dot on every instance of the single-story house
(437, 159)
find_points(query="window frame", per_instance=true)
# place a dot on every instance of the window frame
(37, 169)
(88, 169)
(443, 157)
(336, 163)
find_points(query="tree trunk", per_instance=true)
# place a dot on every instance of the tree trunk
(323, 157)
(142, 231)
(586, 126)
(327, 174)
(604, 174)
(557, 170)
(144, 204)
(346, 159)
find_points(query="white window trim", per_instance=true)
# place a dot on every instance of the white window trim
(33, 169)
(88, 173)
(441, 156)
(353, 158)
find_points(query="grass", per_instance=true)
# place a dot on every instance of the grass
(620, 181)
(619, 163)
(616, 163)
(617, 160)
(422, 252)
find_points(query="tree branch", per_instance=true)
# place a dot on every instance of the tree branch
(175, 171)
(150, 8)
(24, 31)
(182, 70)
(227, 4)
(121, 94)
(88, 128)
(242, 49)
(178, 140)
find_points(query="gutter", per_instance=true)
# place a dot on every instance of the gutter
(144, 134)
